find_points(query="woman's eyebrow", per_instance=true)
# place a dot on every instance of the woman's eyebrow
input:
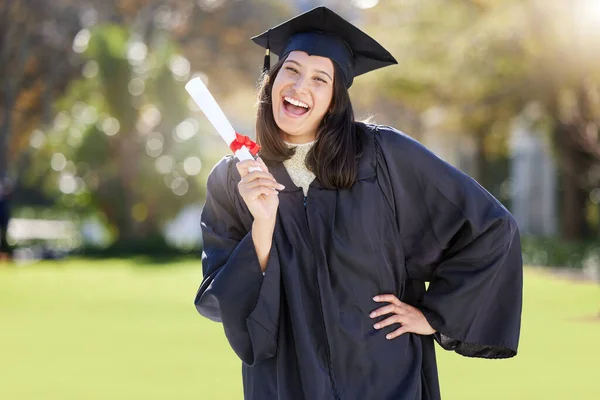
(294, 61)
(320, 71)
(323, 72)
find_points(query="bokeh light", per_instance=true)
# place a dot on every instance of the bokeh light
(136, 86)
(139, 212)
(364, 4)
(37, 139)
(192, 166)
(110, 126)
(80, 43)
(61, 121)
(186, 130)
(179, 186)
(136, 52)
(154, 144)
(67, 183)
(90, 69)
(164, 164)
(58, 162)
(180, 67)
(149, 117)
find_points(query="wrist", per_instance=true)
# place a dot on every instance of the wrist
(264, 223)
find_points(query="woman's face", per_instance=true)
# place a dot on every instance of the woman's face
(301, 95)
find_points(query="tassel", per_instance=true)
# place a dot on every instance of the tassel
(267, 61)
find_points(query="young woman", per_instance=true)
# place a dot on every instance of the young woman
(316, 265)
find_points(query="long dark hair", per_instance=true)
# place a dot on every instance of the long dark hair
(338, 145)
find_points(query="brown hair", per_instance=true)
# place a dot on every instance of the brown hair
(338, 145)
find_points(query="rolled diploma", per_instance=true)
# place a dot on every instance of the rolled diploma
(207, 103)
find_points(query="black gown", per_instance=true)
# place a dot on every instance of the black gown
(303, 329)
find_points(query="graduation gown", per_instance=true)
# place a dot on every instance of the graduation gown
(303, 331)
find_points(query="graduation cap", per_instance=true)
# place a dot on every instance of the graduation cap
(321, 32)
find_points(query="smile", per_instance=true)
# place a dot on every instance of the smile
(294, 108)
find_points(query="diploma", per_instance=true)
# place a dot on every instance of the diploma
(242, 146)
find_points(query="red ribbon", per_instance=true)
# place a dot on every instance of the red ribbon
(240, 141)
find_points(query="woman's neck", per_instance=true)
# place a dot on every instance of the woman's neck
(298, 139)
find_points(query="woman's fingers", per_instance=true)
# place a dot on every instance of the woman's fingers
(394, 319)
(256, 179)
(263, 182)
(243, 167)
(395, 306)
(253, 194)
(258, 189)
(391, 308)
(401, 315)
(410, 318)
(387, 298)
(256, 183)
(253, 189)
(257, 175)
(382, 311)
(263, 166)
(402, 318)
(402, 330)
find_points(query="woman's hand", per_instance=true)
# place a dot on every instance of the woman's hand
(410, 318)
(259, 190)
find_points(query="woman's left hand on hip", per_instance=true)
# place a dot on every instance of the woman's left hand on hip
(411, 319)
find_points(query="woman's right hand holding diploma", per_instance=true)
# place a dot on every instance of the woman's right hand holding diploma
(259, 189)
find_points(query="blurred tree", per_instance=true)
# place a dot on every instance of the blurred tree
(214, 34)
(37, 59)
(484, 60)
(123, 143)
(452, 55)
(120, 141)
(35, 67)
(565, 77)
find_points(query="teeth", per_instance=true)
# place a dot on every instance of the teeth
(296, 102)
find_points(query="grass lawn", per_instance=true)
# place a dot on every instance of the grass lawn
(117, 329)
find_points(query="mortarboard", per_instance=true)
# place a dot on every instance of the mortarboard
(322, 32)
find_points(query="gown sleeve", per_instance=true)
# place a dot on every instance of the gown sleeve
(234, 290)
(460, 239)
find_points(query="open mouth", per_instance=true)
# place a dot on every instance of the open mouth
(295, 107)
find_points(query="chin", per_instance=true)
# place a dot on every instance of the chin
(288, 127)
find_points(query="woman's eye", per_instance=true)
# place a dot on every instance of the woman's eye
(291, 69)
(320, 79)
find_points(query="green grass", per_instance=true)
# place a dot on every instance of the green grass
(117, 330)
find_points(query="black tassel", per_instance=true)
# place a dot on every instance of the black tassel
(267, 62)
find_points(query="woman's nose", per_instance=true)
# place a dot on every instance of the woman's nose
(300, 86)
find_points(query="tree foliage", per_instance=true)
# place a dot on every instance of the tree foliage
(485, 60)
(73, 71)
(100, 124)
(35, 67)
